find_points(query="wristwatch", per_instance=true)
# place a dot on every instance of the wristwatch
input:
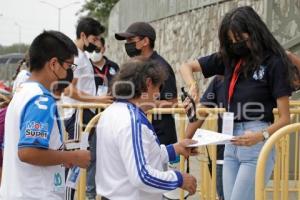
(266, 134)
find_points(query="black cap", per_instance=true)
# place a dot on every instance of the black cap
(137, 29)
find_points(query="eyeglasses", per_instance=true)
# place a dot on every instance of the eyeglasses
(71, 65)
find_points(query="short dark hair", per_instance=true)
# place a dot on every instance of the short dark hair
(152, 43)
(136, 71)
(102, 40)
(50, 44)
(89, 26)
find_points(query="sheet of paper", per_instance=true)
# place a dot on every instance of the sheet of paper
(74, 172)
(206, 137)
(73, 177)
(227, 125)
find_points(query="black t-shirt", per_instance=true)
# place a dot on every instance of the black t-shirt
(105, 75)
(254, 95)
(164, 125)
(214, 97)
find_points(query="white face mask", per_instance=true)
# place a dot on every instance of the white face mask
(96, 57)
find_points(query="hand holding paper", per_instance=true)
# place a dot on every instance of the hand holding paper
(83, 161)
(206, 137)
(184, 148)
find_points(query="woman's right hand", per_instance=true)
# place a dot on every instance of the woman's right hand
(186, 70)
(186, 104)
(194, 91)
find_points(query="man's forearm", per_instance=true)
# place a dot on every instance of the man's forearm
(45, 157)
(172, 103)
(74, 93)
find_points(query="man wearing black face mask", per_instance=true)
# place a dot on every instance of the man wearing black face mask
(83, 88)
(33, 148)
(140, 39)
(63, 83)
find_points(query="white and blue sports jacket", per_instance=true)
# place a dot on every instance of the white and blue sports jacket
(129, 157)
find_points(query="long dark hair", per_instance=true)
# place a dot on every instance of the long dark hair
(246, 20)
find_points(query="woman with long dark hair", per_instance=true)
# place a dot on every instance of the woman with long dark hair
(257, 78)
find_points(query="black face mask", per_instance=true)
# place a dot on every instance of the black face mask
(131, 50)
(90, 48)
(240, 49)
(63, 83)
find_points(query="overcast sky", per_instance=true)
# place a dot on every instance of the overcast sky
(33, 17)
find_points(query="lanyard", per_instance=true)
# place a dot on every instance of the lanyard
(100, 74)
(233, 81)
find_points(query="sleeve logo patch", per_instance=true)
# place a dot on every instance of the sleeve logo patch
(36, 130)
(39, 102)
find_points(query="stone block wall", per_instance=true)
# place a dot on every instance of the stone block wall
(194, 33)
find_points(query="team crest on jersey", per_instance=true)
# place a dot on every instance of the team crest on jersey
(57, 179)
(259, 73)
(112, 71)
(36, 130)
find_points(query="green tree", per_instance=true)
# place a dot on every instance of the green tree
(98, 9)
(14, 48)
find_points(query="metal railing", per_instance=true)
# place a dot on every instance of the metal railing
(281, 180)
(207, 182)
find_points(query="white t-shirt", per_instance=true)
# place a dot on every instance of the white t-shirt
(21, 78)
(129, 157)
(31, 121)
(86, 82)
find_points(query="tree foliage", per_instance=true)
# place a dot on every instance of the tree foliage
(98, 9)
(15, 48)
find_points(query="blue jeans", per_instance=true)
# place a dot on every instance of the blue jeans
(240, 164)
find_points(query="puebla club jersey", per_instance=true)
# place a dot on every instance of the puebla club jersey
(31, 121)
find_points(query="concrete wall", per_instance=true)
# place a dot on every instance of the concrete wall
(128, 11)
(187, 29)
(284, 22)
